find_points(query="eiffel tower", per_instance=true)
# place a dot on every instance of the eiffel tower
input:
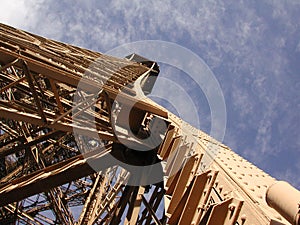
(80, 143)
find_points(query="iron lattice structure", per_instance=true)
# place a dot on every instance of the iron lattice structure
(46, 175)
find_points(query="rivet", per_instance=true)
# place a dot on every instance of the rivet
(243, 217)
(221, 188)
(231, 207)
(216, 183)
(260, 196)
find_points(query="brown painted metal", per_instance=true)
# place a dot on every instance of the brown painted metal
(45, 173)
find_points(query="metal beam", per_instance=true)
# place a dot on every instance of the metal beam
(34, 93)
(36, 120)
(53, 176)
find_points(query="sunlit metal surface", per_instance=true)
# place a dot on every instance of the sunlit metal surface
(45, 173)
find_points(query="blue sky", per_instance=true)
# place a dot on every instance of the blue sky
(252, 47)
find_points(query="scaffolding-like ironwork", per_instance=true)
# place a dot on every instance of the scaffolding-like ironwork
(55, 152)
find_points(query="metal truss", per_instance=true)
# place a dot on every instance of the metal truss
(44, 175)
(49, 144)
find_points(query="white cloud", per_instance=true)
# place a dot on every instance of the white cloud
(13, 12)
(298, 47)
(21, 14)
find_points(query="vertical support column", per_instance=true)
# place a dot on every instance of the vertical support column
(181, 184)
(57, 99)
(135, 205)
(34, 93)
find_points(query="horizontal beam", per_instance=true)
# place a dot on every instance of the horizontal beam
(73, 79)
(4, 151)
(36, 120)
(55, 175)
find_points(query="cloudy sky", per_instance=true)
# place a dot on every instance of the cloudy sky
(252, 48)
